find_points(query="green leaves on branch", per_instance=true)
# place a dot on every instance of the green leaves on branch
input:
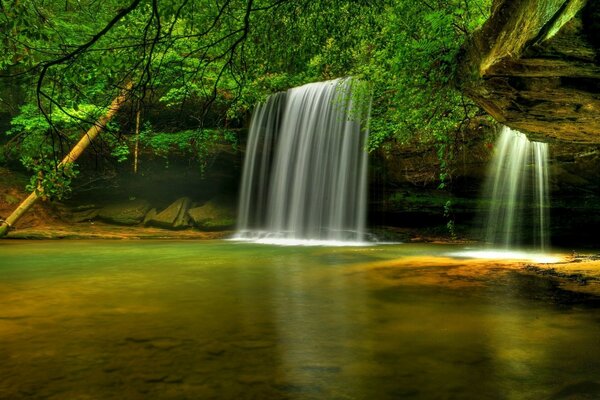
(50, 181)
(413, 65)
(201, 144)
(187, 55)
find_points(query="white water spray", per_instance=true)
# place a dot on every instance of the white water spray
(305, 172)
(517, 189)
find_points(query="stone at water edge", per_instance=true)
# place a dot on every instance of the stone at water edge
(213, 215)
(81, 216)
(173, 217)
(131, 212)
(149, 216)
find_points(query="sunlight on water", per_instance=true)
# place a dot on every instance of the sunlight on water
(495, 254)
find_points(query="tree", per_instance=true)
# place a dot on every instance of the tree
(71, 58)
(65, 166)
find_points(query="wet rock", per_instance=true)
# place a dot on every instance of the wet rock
(131, 212)
(213, 215)
(173, 217)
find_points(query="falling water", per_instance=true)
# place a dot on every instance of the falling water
(517, 189)
(305, 170)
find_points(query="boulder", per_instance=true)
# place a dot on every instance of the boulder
(131, 212)
(149, 216)
(81, 216)
(78, 213)
(173, 217)
(213, 215)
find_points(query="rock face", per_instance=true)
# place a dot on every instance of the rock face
(534, 67)
(174, 216)
(128, 213)
(404, 180)
(213, 215)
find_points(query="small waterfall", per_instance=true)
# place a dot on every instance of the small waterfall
(517, 191)
(305, 171)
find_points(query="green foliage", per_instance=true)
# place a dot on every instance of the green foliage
(450, 225)
(415, 68)
(202, 144)
(30, 127)
(50, 181)
(30, 120)
(195, 55)
(120, 152)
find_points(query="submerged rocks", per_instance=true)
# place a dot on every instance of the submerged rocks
(131, 212)
(213, 215)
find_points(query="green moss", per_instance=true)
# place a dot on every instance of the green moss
(213, 216)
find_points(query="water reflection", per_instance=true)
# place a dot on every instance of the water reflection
(172, 320)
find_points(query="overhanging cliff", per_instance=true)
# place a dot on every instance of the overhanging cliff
(534, 67)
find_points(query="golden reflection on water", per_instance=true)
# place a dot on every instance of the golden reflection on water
(176, 320)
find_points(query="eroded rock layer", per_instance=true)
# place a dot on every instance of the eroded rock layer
(534, 67)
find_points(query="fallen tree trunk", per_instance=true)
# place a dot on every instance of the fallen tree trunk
(84, 142)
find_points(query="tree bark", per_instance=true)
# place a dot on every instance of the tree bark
(137, 141)
(84, 142)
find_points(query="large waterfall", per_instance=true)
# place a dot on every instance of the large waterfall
(517, 192)
(305, 171)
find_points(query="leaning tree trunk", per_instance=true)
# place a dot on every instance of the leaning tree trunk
(75, 152)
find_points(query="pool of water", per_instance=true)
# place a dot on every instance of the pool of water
(225, 320)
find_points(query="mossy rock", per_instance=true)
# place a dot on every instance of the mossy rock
(214, 215)
(173, 217)
(81, 216)
(149, 216)
(127, 213)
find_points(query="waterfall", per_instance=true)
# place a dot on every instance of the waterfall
(305, 171)
(517, 191)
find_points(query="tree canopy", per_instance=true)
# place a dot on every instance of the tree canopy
(198, 67)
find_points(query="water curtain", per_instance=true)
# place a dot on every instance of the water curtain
(517, 191)
(305, 171)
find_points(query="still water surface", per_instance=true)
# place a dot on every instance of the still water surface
(223, 320)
